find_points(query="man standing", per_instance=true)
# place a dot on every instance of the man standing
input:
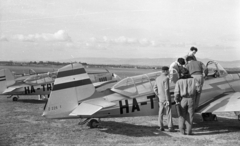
(185, 92)
(193, 51)
(196, 70)
(161, 89)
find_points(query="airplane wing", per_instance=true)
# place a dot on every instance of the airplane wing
(228, 103)
(90, 107)
(99, 84)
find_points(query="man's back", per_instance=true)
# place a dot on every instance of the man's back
(185, 57)
(195, 67)
(186, 87)
(161, 87)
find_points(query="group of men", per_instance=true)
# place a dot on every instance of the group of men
(188, 87)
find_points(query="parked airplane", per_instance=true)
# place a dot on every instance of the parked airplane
(42, 84)
(21, 77)
(74, 95)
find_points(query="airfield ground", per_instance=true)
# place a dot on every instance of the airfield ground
(21, 124)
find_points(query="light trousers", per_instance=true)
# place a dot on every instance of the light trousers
(187, 113)
(200, 80)
(162, 108)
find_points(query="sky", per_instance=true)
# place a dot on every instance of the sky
(54, 30)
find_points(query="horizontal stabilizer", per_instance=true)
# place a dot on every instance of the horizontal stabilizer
(85, 109)
(228, 103)
(10, 89)
(92, 106)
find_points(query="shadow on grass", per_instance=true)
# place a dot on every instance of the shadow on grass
(34, 101)
(200, 128)
(222, 125)
(127, 129)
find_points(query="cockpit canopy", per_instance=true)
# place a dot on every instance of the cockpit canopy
(132, 86)
(215, 70)
(41, 78)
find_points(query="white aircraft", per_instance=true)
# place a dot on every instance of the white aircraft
(42, 84)
(74, 95)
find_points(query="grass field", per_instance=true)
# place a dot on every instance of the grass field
(21, 124)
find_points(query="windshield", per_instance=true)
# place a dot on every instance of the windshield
(41, 78)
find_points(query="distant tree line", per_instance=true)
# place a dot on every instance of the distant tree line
(125, 66)
(37, 63)
(57, 63)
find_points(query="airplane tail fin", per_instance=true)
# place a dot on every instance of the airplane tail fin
(6, 79)
(71, 86)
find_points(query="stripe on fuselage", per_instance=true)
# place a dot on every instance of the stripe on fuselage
(2, 78)
(71, 78)
(71, 84)
(71, 72)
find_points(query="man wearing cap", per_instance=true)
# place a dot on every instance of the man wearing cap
(193, 51)
(161, 89)
(196, 70)
(184, 94)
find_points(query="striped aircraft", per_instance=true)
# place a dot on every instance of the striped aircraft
(74, 96)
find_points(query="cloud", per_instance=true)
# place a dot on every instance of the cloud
(3, 39)
(144, 42)
(122, 40)
(107, 42)
(70, 45)
(59, 36)
(96, 46)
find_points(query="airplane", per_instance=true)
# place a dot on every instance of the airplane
(42, 84)
(19, 77)
(74, 96)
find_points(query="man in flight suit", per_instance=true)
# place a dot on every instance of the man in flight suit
(161, 89)
(185, 92)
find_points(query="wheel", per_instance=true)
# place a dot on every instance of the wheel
(15, 99)
(93, 123)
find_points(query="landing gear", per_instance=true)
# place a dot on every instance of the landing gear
(209, 117)
(15, 98)
(93, 123)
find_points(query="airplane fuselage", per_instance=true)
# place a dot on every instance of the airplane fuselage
(43, 89)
